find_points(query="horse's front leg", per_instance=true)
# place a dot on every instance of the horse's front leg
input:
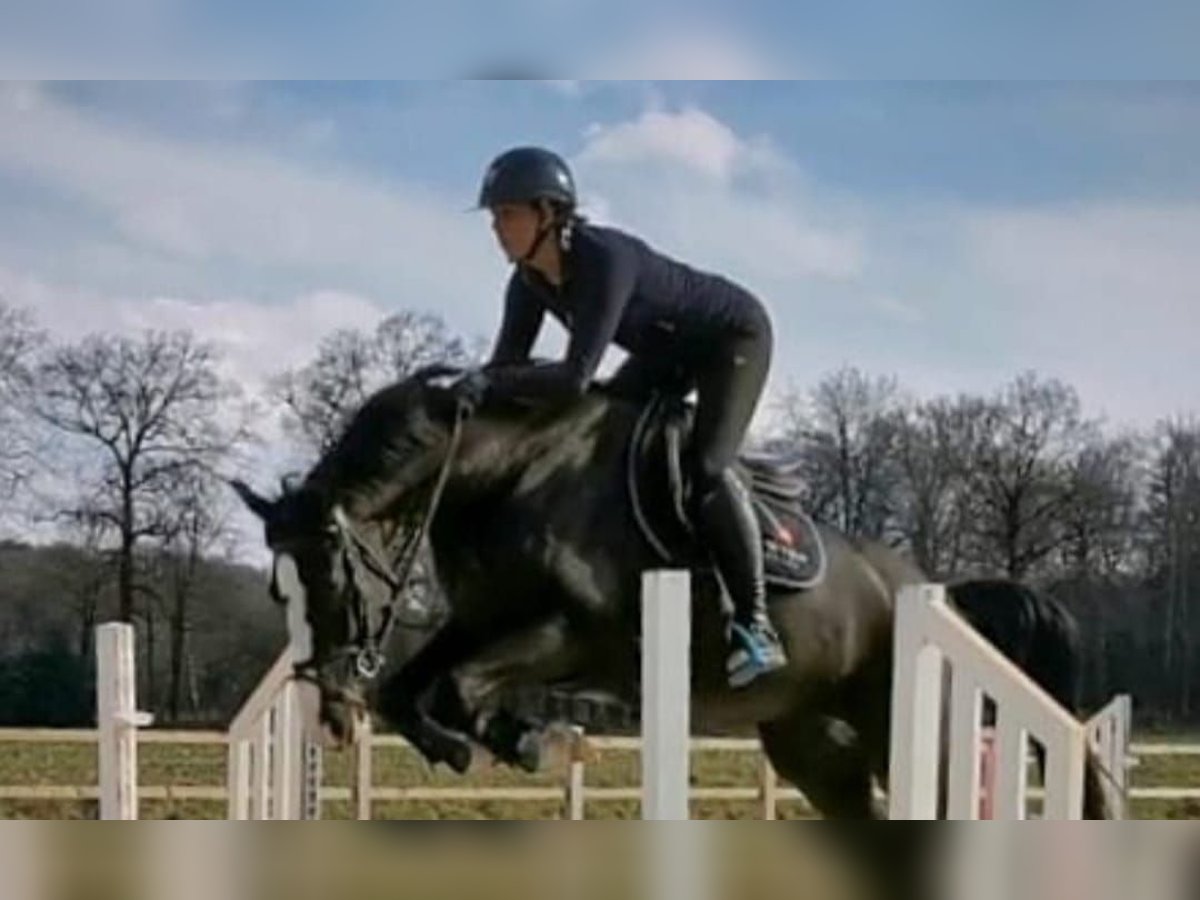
(401, 696)
(510, 738)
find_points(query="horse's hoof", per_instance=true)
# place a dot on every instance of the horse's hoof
(445, 747)
(458, 757)
(514, 742)
(529, 752)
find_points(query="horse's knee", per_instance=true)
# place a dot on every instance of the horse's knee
(474, 687)
(399, 704)
(448, 706)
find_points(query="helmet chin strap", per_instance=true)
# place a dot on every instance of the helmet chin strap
(543, 232)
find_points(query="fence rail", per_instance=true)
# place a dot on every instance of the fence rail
(574, 791)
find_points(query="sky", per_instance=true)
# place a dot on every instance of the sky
(949, 234)
(888, 39)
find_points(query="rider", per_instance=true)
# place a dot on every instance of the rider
(680, 326)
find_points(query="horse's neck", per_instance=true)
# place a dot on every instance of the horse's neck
(502, 450)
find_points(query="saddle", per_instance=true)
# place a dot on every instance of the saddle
(793, 552)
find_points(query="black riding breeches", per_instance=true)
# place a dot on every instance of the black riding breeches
(729, 386)
(728, 379)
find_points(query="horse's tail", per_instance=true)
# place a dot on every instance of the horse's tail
(1060, 655)
(1033, 630)
(1057, 652)
(1096, 804)
(1040, 635)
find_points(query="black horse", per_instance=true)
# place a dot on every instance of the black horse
(540, 541)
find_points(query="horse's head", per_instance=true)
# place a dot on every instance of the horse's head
(312, 578)
(330, 569)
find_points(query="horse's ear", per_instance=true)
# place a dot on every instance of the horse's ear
(259, 505)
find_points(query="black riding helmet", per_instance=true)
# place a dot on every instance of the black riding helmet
(526, 175)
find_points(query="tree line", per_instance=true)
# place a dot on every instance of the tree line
(117, 447)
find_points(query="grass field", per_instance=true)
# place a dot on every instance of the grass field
(74, 764)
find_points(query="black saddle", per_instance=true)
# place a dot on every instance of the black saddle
(793, 552)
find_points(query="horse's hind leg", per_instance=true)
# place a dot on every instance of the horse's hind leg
(825, 759)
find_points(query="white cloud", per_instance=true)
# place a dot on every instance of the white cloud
(219, 205)
(688, 52)
(22, 96)
(1101, 255)
(1107, 296)
(257, 340)
(718, 196)
(319, 132)
(227, 101)
(691, 137)
(1103, 296)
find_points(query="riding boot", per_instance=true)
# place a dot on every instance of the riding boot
(728, 529)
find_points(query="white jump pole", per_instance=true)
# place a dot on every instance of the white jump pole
(118, 720)
(679, 863)
(666, 694)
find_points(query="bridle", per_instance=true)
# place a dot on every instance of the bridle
(364, 652)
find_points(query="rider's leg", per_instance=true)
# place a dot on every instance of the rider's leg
(728, 394)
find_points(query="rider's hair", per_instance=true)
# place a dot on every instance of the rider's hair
(566, 217)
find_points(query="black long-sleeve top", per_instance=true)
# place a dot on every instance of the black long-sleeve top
(616, 289)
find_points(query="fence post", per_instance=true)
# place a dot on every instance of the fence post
(576, 789)
(768, 789)
(666, 694)
(118, 720)
(916, 708)
(363, 774)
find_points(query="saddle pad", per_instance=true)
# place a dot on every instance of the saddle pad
(793, 552)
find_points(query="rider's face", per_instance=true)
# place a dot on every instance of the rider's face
(516, 227)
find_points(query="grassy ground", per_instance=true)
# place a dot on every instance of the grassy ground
(200, 765)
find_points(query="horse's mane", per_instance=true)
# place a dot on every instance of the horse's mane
(379, 436)
(397, 420)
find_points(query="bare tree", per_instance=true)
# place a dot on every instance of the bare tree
(1173, 516)
(932, 454)
(19, 342)
(197, 516)
(1097, 558)
(350, 366)
(846, 434)
(1018, 475)
(89, 585)
(1099, 516)
(151, 411)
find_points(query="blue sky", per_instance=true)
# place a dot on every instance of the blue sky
(601, 38)
(949, 234)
